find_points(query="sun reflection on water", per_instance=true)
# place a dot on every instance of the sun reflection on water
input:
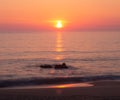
(59, 46)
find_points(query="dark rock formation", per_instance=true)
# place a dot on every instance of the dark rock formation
(46, 66)
(61, 66)
(56, 66)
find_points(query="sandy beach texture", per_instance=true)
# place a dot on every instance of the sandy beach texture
(99, 90)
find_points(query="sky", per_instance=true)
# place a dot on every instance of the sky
(40, 15)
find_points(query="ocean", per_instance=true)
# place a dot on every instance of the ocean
(91, 55)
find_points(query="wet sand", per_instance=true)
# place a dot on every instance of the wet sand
(99, 90)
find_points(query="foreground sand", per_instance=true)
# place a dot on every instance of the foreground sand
(101, 90)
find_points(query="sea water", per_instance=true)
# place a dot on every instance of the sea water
(91, 55)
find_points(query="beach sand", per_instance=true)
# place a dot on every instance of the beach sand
(98, 90)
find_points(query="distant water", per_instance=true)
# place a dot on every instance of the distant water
(92, 55)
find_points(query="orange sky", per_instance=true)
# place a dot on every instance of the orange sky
(78, 14)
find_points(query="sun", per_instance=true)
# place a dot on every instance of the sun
(59, 24)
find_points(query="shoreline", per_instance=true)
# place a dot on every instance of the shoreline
(53, 81)
(97, 90)
(53, 86)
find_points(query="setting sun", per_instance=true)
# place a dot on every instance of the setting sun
(59, 24)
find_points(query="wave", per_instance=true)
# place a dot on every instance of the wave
(57, 80)
(37, 52)
(86, 59)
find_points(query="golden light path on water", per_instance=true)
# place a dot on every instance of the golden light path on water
(59, 46)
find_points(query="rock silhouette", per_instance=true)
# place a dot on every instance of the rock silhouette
(56, 66)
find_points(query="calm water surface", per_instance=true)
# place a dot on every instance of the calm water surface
(89, 54)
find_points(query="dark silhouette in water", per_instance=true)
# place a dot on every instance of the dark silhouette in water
(46, 66)
(61, 66)
(56, 66)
